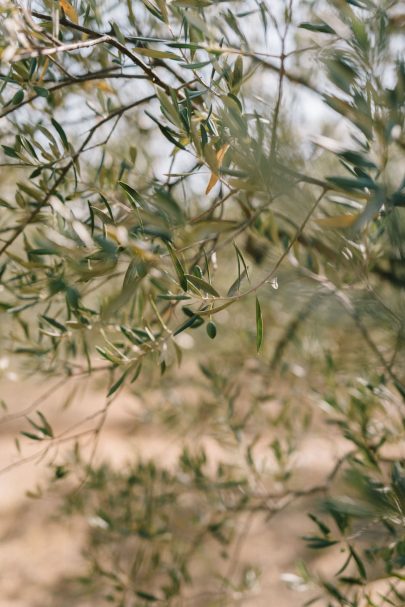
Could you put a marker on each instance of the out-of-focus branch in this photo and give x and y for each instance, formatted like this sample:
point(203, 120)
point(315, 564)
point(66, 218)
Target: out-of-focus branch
point(347, 305)
point(292, 328)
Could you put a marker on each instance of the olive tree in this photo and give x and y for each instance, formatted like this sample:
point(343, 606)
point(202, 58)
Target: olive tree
point(164, 162)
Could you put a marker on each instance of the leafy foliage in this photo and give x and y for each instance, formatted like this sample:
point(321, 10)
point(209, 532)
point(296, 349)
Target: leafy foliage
point(156, 177)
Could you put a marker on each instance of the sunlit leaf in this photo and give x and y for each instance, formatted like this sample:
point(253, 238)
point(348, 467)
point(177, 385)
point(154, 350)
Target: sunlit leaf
point(218, 162)
point(69, 10)
point(156, 54)
point(338, 221)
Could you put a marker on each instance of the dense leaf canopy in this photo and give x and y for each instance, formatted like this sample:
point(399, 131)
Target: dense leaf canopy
point(164, 162)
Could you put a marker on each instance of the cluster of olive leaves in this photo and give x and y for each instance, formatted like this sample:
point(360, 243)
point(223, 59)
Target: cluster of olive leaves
point(111, 248)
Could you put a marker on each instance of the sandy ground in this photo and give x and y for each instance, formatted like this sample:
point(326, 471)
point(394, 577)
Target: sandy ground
point(37, 551)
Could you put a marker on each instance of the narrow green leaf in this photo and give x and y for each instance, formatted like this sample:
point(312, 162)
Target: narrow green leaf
point(61, 133)
point(166, 132)
point(108, 207)
point(155, 54)
point(54, 323)
point(132, 194)
point(18, 97)
point(322, 28)
point(259, 325)
point(350, 581)
point(107, 355)
point(171, 297)
point(234, 288)
point(360, 565)
point(202, 285)
point(117, 384)
point(195, 66)
point(137, 373)
point(318, 543)
point(320, 524)
point(41, 91)
point(136, 270)
point(10, 151)
point(31, 436)
point(146, 596)
point(193, 322)
point(178, 267)
point(46, 426)
point(348, 184)
point(188, 45)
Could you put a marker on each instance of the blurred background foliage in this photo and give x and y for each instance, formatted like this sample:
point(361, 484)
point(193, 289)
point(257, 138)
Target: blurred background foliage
point(186, 184)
